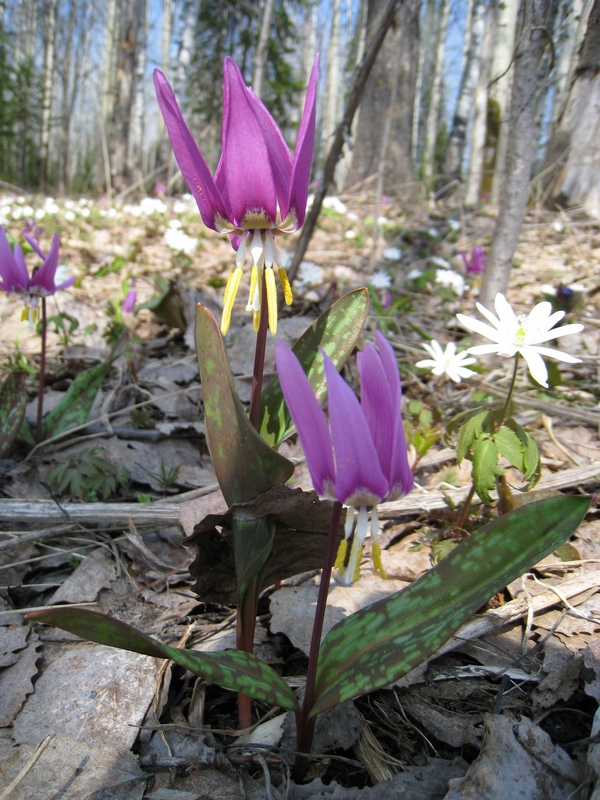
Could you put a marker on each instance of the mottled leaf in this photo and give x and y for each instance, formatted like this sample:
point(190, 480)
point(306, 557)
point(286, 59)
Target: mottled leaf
point(230, 669)
point(244, 463)
point(336, 331)
point(74, 408)
point(384, 641)
point(13, 399)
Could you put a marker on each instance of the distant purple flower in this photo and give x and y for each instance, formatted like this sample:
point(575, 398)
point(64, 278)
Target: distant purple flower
point(15, 279)
point(477, 263)
point(359, 456)
point(130, 299)
point(259, 190)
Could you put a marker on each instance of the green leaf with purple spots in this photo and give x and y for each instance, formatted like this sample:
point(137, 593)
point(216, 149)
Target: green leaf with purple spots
point(337, 331)
point(231, 669)
point(13, 399)
point(384, 641)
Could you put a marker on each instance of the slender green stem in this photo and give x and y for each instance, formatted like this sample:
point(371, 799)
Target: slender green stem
point(42, 375)
point(462, 517)
point(305, 727)
point(259, 355)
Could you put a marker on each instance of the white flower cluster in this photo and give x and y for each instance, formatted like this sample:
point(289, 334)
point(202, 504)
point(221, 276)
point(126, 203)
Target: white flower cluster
point(177, 240)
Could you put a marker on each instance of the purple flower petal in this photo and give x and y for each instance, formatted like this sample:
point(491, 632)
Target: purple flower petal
point(359, 477)
point(309, 418)
point(245, 167)
point(13, 271)
point(193, 167)
point(303, 153)
point(43, 278)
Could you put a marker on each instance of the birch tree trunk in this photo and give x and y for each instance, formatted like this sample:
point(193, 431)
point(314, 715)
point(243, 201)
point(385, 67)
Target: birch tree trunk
point(260, 56)
point(431, 130)
point(136, 126)
point(403, 38)
point(47, 95)
point(501, 76)
point(531, 40)
point(458, 135)
point(577, 134)
point(574, 24)
point(478, 131)
point(330, 113)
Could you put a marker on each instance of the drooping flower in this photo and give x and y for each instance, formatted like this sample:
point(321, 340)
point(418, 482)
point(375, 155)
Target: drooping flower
point(447, 362)
point(259, 190)
point(522, 334)
point(476, 264)
point(44, 280)
point(359, 455)
point(130, 298)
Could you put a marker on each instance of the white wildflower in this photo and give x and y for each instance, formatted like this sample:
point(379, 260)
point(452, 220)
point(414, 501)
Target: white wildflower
point(522, 334)
point(447, 362)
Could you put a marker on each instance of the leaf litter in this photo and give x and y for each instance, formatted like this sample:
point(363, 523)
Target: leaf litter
point(512, 698)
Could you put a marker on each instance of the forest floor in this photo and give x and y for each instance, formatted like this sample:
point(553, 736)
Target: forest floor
point(510, 709)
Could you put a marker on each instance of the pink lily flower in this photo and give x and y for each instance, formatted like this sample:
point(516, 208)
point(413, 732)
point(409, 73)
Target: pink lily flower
point(259, 190)
point(15, 278)
point(477, 263)
point(358, 456)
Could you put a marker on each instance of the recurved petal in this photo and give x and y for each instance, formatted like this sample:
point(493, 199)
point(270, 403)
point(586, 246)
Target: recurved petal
point(13, 270)
point(191, 163)
point(309, 418)
point(298, 192)
point(359, 477)
point(399, 474)
point(245, 166)
point(43, 278)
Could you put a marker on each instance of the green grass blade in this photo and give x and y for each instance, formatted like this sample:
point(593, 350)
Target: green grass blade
point(380, 643)
point(231, 669)
point(74, 408)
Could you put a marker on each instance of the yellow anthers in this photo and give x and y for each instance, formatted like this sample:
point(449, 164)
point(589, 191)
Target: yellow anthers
point(285, 285)
point(25, 314)
point(341, 555)
point(377, 562)
point(271, 299)
point(233, 284)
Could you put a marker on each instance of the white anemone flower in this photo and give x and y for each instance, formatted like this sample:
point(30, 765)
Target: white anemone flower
point(522, 334)
point(447, 362)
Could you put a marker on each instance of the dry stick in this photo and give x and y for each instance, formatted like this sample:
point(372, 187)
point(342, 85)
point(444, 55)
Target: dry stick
point(360, 78)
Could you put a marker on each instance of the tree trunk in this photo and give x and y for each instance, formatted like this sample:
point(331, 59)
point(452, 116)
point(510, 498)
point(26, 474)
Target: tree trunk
point(431, 132)
point(260, 56)
point(458, 135)
point(498, 101)
point(136, 127)
point(47, 96)
point(574, 24)
point(531, 40)
point(404, 38)
point(330, 111)
point(478, 131)
point(576, 134)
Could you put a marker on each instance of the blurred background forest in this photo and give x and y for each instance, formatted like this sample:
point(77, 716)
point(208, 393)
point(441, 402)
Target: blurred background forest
point(78, 113)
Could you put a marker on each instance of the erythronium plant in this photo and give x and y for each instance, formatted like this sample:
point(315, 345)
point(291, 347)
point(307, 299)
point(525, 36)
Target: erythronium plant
point(34, 288)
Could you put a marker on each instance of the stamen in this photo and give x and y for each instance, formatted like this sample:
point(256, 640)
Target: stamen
point(240, 256)
point(268, 249)
point(233, 283)
point(271, 300)
point(254, 296)
point(285, 285)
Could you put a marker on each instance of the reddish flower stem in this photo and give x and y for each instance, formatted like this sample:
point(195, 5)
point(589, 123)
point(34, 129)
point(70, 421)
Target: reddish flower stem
point(42, 375)
point(305, 727)
point(259, 355)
